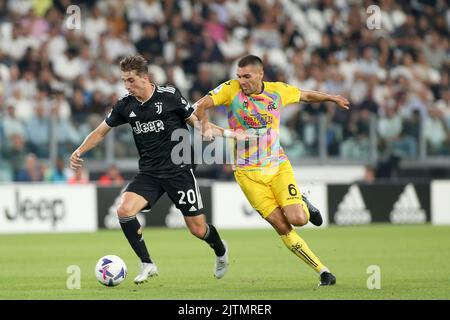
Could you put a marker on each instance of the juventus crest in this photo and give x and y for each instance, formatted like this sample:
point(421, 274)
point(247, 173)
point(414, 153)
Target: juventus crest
point(158, 106)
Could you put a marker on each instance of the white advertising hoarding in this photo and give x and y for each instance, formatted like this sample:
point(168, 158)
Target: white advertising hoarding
point(328, 174)
point(47, 208)
point(440, 202)
point(231, 209)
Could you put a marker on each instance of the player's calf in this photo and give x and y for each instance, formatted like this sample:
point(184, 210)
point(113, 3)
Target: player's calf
point(198, 230)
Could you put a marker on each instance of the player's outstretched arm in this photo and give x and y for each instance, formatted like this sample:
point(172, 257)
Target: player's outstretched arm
point(200, 112)
point(217, 131)
point(233, 134)
point(94, 138)
point(317, 96)
point(201, 106)
point(213, 130)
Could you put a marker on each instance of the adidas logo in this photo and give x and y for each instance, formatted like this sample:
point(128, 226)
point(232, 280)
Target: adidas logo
point(131, 115)
point(193, 209)
point(352, 209)
point(407, 209)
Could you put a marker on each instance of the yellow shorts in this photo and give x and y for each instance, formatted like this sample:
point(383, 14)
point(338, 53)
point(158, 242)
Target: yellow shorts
point(265, 192)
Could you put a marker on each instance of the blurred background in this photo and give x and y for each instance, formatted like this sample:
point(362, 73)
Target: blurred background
point(58, 81)
point(383, 166)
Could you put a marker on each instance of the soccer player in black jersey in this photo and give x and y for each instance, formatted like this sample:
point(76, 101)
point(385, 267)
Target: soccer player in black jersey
point(154, 112)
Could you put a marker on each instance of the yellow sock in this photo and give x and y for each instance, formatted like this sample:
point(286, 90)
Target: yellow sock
point(299, 247)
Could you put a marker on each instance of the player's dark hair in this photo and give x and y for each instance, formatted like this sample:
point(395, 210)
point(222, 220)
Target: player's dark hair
point(134, 63)
point(250, 60)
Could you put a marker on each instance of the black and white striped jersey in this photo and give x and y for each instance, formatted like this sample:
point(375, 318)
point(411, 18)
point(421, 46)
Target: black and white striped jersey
point(153, 123)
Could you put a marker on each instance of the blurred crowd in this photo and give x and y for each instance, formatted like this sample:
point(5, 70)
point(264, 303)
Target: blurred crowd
point(60, 78)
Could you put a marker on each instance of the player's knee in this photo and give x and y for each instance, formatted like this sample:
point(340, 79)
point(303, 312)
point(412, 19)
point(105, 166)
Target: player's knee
point(125, 210)
point(302, 219)
point(298, 219)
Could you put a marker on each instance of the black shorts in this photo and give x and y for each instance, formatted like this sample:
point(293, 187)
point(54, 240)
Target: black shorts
point(182, 189)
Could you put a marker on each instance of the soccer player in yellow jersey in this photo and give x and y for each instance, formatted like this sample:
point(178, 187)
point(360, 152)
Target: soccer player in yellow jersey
point(262, 169)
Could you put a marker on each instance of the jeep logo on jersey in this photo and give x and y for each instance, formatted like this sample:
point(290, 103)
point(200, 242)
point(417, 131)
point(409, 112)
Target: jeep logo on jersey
point(150, 126)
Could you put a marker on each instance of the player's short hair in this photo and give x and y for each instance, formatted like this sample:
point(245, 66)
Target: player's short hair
point(250, 60)
point(134, 63)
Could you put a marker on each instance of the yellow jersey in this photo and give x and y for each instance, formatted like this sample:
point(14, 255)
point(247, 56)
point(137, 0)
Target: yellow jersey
point(258, 114)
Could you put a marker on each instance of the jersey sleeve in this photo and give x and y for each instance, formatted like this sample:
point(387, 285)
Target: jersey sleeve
point(115, 117)
point(223, 94)
point(289, 94)
point(181, 106)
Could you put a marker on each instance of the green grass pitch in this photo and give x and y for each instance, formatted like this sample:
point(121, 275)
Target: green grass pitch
point(413, 260)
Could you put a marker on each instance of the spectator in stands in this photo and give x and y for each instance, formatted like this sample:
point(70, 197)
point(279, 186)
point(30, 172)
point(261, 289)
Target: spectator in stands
point(67, 134)
point(15, 151)
point(390, 126)
point(150, 44)
point(97, 104)
point(406, 60)
point(58, 173)
point(23, 108)
point(112, 176)
point(206, 49)
point(95, 25)
point(202, 84)
point(31, 170)
point(443, 105)
point(95, 82)
point(38, 132)
point(68, 66)
point(2, 140)
point(436, 134)
point(13, 125)
point(369, 175)
point(78, 106)
point(80, 176)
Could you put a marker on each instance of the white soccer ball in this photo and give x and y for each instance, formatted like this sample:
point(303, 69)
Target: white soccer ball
point(110, 270)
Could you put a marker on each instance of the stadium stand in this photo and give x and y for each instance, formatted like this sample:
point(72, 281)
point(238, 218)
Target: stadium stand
point(57, 83)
